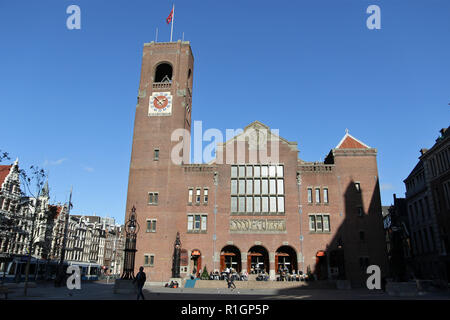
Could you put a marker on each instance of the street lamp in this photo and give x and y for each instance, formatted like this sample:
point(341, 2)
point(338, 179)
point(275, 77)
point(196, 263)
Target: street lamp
point(131, 230)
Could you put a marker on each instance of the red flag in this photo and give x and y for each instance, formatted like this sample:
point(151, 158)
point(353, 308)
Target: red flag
point(169, 18)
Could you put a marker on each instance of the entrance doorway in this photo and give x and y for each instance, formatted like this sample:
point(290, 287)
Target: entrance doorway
point(230, 257)
point(196, 262)
point(258, 260)
point(286, 257)
point(321, 269)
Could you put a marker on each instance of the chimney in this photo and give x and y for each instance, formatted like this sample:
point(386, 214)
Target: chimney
point(423, 150)
point(442, 131)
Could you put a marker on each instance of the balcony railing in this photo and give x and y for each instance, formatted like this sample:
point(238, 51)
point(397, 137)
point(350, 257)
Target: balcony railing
point(162, 85)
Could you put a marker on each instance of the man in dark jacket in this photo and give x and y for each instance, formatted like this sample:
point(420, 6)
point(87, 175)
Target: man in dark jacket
point(140, 281)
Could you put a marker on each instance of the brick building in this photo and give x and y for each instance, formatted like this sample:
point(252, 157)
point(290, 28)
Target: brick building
point(257, 206)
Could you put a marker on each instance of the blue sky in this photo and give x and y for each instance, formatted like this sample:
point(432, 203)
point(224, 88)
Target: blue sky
point(309, 68)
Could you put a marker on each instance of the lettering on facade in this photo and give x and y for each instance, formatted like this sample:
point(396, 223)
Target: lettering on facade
point(257, 226)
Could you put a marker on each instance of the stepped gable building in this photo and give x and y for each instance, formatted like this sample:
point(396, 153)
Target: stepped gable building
point(257, 206)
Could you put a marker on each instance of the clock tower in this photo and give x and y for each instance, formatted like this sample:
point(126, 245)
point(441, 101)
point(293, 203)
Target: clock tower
point(163, 107)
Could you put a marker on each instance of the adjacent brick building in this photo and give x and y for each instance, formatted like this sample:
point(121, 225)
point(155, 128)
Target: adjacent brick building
point(257, 205)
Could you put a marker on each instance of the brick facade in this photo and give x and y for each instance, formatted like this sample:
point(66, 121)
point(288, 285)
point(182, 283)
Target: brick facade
point(348, 178)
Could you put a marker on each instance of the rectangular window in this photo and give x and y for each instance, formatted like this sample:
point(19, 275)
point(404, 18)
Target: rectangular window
point(326, 223)
point(312, 223)
point(204, 223)
point(197, 195)
point(249, 171)
point(257, 170)
point(257, 186)
point(360, 212)
point(233, 204)
point(190, 223)
point(273, 185)
point(249, 204)
point(234, 186)
point(249, 186)
point(279, 171)
point(152, 260)
point(205, 195)
point(309, 195)
point(257, 204)
point(241, 204)
point(265, 204)
point(318, 223)
point(241, 171)
point(325, 195)
point(197, 220)
point(151, 226)
point(273, 204)
point(241, 186)
point(358, 187)
point(265, 186)
point(233, 171)
point(317, 195)
point(281, 204)
point(272, 171)
point(280, 186)
point(190, 195)
point(264, 171)
point(156, 154)
point(153, 198)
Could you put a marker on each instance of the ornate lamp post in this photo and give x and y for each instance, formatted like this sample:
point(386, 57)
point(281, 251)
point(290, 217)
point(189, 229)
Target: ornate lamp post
point(131, 231)
point(176, 257)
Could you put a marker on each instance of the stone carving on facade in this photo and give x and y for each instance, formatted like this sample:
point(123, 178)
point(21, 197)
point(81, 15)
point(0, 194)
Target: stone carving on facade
point(257, 225)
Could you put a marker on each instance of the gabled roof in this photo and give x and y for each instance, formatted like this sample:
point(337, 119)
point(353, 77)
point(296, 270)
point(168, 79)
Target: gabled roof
point(350, 142)
point(4, 171)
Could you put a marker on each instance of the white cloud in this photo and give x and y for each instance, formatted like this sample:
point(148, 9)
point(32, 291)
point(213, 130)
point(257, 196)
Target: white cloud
point(54, 163)
point(386, 186)
point(89, 169)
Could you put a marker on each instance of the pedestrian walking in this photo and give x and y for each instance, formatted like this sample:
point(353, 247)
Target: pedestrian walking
point(140, 281)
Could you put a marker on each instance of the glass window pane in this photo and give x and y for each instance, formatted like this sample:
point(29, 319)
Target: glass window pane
point(312, 223)
point(257, 184)
point(280, 186)
point(257, 204)
point(257, 171)
point(241, 186)
point(325, 195)
point(233, 171)
point(249, 204)
point(191, 192)
point(241, 204)
point(273, 204)
point(265, 204)
point(264, 171)
point(249, 171)
point(190, 222)
point(309, 195)
point(249, 186)
point(319, 223)
point(281, 204)
point(272, 171)
point(203, 222)
point(326, 223)
point(233, 186)
point(279, 171)
point(241, 171)
point(273, 186)
point(265, 186)
point(317, 195)
point(233, 204)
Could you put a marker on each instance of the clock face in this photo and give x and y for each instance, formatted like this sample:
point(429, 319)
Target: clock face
point(160, 104)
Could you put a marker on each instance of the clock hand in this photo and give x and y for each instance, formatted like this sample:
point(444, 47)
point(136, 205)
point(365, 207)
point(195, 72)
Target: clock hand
point(157, 100)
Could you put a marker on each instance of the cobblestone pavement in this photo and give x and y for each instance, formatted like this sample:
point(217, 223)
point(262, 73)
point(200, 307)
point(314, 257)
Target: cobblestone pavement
point(103, 291)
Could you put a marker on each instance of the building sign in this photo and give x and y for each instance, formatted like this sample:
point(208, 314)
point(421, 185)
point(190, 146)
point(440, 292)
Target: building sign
point(257, 226)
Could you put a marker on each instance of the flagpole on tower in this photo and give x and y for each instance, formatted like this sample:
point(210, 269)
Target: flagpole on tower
point(173, 16)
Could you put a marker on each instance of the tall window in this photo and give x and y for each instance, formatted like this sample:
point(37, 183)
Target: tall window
point(156, 154)
point(197, 223)
point(151, 225)
point(190, 195)
point(310, 195)
point(197, 196)
point(317, 195)
point(149, 260)
point(205, 196)
point(153, 198)
point(250, 182)
point(319, 223)
point(358, 186)
point(325, 195)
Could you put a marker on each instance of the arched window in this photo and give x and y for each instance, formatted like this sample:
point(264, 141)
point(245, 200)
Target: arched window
point(163, 73)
